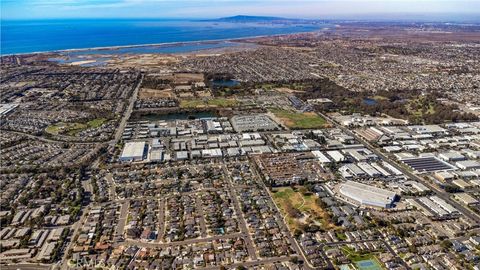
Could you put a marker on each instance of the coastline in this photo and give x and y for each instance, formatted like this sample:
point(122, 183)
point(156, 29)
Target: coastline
point(175, 43)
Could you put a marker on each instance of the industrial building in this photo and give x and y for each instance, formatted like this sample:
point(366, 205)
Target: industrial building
point(465, 198)
point(367, 195)
point(133, 151)
point(427, 164)
point(438, 206)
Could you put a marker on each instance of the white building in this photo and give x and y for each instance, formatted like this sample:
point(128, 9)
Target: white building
point(133, 151)
point(367, 195)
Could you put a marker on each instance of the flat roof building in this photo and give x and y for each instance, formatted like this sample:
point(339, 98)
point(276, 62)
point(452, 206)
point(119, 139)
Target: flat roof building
point(468, 164)
point(465, 198)
point(427, 164)
point(133, 151)
point(367, 195)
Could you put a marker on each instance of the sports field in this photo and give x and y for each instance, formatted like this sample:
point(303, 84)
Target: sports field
point(370, 264)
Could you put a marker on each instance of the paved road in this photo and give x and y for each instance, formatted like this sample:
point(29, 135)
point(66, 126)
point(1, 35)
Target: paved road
point(243, 224)
point(43, 139)
point(161, 220)
point(75, 228)
point(111, 186)
point(440, 193)
point(251, 263)
point(284, 227)
point(126, 115)
point(387, 246)
point(26, 266)
point(122, 220)
point(178, 243)
point(201, 214)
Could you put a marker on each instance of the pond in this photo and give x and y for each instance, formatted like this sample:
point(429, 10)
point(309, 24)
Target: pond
point(369, 101)
point(224, 83)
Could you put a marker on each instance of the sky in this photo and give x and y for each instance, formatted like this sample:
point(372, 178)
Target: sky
point(314, 9)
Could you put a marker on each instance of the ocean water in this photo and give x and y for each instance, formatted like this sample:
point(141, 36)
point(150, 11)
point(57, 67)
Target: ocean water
point(52, 35)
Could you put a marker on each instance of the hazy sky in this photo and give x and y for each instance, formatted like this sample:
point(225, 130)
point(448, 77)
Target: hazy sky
point(18, 9)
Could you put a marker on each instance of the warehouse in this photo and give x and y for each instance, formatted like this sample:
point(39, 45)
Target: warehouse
point(336, 156)
point(370, 170)
point(321, 157)
point(466, 199)
point(461, 184)
point(351, 170)
point(392, 169)
point(427, 164)
point(468, 164)
point(133, 151)
point(367, 195)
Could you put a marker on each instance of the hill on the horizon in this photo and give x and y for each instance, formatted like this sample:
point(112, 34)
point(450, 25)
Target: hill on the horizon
point(247, 18)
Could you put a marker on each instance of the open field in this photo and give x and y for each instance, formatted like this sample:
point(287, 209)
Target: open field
point(296, 120)
point(216, 102)
point(72, 129)
point(146, 93)
point(300, 208)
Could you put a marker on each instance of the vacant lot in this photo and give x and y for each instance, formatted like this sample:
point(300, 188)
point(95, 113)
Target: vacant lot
point(295, 120)
point(146, 93)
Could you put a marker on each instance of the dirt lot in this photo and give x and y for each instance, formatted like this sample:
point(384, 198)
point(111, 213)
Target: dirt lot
point(146, 93)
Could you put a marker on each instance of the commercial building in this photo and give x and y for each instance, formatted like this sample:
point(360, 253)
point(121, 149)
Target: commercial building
point(367, 195)
point(133, 151)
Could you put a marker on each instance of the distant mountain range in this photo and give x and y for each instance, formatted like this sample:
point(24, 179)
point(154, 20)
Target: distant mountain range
point(258, 19)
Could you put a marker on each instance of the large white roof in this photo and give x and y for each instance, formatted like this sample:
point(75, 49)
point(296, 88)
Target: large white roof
point(133, 149)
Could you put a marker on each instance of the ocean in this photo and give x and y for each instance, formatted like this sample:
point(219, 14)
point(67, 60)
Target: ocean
point(52, 35)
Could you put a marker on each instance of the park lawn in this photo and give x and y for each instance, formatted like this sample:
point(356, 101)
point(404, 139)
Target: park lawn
point(419, 112)
point(95, 123)
point(371, 263)
point(191, 103)
point(359, 258)
point(72, 129)
point(215, 102)
point(222, 102)
point(341, 236)
point(295, 120)
point(306, 204)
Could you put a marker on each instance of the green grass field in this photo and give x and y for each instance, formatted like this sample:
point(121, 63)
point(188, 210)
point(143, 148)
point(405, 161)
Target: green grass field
point(215, 102)
point(306, 204)
point(363, 261)
point(72, 129)
point(296, 120)
point(369, 264)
